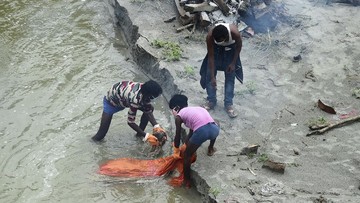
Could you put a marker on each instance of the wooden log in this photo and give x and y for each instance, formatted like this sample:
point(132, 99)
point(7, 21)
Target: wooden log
point(204, 19)
point(335, 125)
point(170, 19)
point(274, 166)
point(180, 9)
point(204, 6)
point(223, 7)
point(184, 27)
point(251, 149)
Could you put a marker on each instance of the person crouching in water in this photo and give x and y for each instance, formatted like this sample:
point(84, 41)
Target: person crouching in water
point(135, 96)
point(202, 127)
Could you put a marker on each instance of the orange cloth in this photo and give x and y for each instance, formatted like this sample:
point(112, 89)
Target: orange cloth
point(129, 167)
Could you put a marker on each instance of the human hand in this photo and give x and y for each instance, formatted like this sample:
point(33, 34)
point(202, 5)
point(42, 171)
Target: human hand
point(176, 153)
point(230, 68)
point(151, 139)
point(186, 183)
point(213, 82)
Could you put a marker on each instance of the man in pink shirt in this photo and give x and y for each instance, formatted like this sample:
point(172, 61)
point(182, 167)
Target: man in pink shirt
point(202, 127)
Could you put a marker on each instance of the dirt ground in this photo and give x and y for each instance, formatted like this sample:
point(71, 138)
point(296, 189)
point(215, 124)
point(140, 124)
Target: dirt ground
point(275, 104)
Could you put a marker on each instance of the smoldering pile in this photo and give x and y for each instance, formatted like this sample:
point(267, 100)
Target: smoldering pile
point(251, 16)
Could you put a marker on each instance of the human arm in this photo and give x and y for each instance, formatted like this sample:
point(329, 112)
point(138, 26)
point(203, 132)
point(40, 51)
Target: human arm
point(189, 136)
point(144, 120)
point(147, 136)
point(152, 119)
point(132, 117)
point(176, 143)
point(235, 34)
point(211, 57)
point(178, 122)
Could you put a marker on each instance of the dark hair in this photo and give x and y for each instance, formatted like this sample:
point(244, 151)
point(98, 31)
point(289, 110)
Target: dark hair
point(151, 88)
point(178, 100)
point(220, 32)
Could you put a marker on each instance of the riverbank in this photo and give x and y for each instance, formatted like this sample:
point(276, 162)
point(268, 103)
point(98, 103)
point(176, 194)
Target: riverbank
point(275, 103)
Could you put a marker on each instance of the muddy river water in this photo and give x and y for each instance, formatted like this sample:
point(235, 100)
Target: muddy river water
point(57, 60)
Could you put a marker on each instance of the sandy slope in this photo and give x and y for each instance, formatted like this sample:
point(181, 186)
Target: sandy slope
point(275, 115)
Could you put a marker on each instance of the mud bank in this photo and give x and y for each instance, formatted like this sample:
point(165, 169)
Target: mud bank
point(275, 103)
point(151, 66)
point(143, 58)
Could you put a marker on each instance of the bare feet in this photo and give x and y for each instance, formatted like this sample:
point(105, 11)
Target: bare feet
point(211, 151)
point(96, 138)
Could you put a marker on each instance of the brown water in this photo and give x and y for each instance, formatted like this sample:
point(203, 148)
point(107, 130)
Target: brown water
point(57, 60)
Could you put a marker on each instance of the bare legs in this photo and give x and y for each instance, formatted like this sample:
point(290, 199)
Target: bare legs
point(104, 127)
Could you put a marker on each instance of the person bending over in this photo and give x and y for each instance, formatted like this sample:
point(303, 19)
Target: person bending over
point(135, 96)
point(202, 127)
point(224, 45)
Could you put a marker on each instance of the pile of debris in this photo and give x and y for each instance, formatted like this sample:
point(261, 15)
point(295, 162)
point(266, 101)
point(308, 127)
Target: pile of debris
point(251, 16)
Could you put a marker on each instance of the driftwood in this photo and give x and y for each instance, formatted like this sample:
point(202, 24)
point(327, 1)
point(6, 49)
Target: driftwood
point(223, 7)
point(251, 171)
point(170, 19)
point(205, 6)
point(252, 149)
point(204, 19)
point(180, 9)
point(184, 27)
point(335, 125)
point(274, 166)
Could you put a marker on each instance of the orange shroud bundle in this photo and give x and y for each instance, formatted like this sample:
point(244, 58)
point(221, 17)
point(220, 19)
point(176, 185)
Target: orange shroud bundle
point(129, 167)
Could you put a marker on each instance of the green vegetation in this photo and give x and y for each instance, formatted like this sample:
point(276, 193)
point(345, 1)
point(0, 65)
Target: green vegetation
point(356, 92)
point(188, 72)
point(251, 87)
point(214, 191)
point(263, 158)
point(251, 155)
point(171, 51)
point(317, 121)
point(293, 164)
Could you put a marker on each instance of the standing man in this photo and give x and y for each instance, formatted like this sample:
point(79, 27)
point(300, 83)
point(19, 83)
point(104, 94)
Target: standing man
point(135, 96)
point(202, 127)
point(223, 54)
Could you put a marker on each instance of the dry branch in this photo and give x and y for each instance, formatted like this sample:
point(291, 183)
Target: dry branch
point(205, 6)
point(184, 27)
point(274, 166)
point(335, 125)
